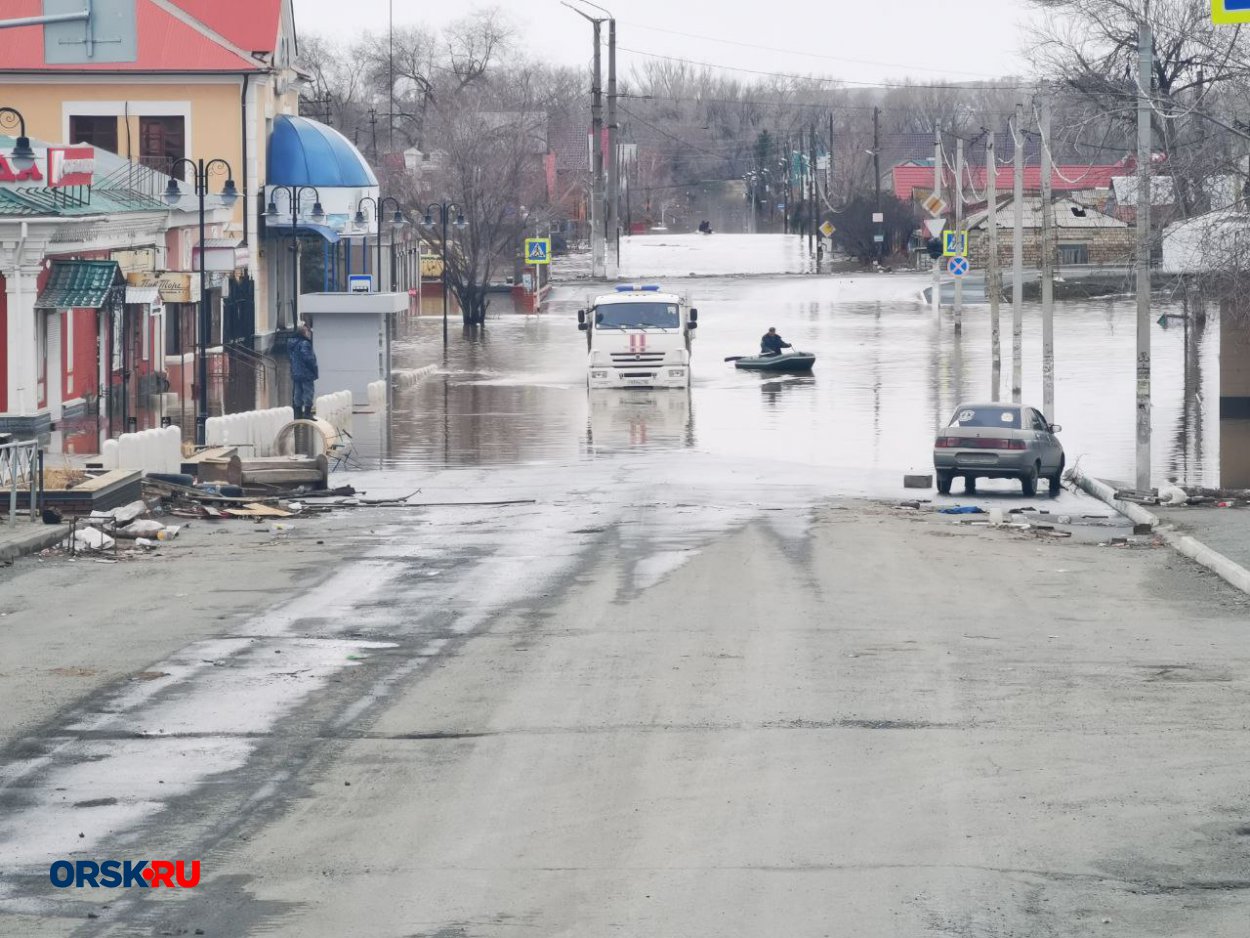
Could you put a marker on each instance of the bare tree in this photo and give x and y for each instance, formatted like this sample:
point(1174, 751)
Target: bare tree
point(1089, 47)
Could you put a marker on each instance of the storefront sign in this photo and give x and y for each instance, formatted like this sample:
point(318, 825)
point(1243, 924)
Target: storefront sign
point(175, 286)
point(70, 166)
point(133, 262)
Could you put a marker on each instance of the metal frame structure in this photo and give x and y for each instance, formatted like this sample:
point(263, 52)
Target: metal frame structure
point(22, 461)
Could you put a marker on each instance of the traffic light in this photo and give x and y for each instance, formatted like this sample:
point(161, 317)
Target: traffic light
point(934, 246)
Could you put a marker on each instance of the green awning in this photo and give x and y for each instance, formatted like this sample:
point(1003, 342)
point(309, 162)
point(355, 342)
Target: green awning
point(78, 285)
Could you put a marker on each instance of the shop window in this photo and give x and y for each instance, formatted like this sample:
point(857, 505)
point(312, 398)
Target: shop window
point(98, 131)
point(162, 142)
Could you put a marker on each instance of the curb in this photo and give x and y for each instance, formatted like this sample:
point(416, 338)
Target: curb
point(32, 543)
point(1228, 570)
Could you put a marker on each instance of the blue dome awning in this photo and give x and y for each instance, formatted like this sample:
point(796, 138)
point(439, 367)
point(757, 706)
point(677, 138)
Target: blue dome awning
point(303, 152)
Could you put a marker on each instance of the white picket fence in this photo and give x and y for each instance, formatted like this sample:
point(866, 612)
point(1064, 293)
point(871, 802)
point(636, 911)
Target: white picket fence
point(335, 409)
point(155, 450)
point(253, 431)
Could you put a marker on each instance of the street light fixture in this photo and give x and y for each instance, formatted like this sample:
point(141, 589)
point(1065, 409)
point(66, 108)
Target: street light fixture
point(293, 194)
point(427, 220)
point(379, 210)
point(23, 155)
point(201, 170)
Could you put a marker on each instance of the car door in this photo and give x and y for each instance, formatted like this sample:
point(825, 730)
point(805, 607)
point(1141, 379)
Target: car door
point(1048, 446)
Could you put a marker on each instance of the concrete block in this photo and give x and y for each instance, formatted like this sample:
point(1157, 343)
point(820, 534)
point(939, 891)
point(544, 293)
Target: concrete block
point(917, 481)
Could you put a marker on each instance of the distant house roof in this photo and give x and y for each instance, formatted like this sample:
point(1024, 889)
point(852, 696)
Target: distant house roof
point(1068, 214)
point(303, 152)
point(171, 36)
point(914, 175)
point(1162, 190)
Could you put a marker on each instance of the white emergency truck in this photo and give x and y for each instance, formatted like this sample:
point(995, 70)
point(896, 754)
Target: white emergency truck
point(638, 337)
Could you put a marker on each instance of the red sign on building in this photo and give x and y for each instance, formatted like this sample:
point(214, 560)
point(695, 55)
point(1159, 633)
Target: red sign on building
point(70, 166)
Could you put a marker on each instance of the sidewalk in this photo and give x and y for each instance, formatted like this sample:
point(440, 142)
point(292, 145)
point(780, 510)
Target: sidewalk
point(24, 536)
point(1226, 530)
point(1216, 538)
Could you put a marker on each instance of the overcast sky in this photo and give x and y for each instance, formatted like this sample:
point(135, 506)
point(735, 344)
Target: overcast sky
point(873, 41)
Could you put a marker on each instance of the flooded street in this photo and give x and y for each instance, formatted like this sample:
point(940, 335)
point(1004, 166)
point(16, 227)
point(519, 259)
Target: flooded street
point(888, 374)
point(649, 662)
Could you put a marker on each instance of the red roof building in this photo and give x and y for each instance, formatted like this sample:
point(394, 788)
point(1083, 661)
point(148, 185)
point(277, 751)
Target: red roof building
point(911, 177)
point(171, 35)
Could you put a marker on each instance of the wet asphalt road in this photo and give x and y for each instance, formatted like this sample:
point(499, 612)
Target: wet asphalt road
point(689, 682)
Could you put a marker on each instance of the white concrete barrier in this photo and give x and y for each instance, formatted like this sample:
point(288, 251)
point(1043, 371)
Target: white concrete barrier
point(407, 377)
point(335, 409)
point(155, 450)
point(253, 431)
point(377, 393)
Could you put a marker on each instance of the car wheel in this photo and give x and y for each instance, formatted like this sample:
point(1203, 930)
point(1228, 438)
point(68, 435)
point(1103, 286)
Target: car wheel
point(944, 483)
point(970, 484)
point(1028, 481)
point(1056, 480)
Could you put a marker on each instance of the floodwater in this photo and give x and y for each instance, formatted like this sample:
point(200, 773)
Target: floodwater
point(888, 374)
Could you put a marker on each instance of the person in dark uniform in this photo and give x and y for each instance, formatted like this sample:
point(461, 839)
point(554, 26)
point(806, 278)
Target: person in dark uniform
point(771, 343)
point(304, 372)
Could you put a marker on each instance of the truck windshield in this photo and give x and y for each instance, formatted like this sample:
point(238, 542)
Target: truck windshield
point(637, 316)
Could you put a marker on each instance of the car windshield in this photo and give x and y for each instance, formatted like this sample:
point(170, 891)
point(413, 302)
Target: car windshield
point(1001, 417)
point(637, 315)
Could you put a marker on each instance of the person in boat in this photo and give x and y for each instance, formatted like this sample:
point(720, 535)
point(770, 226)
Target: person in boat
point(771, 343)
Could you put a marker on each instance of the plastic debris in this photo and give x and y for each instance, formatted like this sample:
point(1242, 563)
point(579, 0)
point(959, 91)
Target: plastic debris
point(92, 539)
point(962, 510)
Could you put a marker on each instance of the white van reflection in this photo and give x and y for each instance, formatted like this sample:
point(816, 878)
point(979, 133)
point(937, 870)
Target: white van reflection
point(636, 418)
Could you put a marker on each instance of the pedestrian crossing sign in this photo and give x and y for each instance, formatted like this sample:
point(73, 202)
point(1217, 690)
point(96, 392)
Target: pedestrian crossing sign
point(1224, 12)
point(954, 243)
point(538, 250)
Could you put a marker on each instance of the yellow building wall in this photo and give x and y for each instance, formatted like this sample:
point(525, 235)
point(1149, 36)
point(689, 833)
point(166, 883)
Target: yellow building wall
point(214, 130)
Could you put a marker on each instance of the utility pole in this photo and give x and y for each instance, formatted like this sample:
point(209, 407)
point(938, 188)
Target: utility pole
point(937, 192)
point(614, 173)
point(597, 246)
point(993, 275)
point(1048, 269)
point(1145, 52)
point(1017, 257)
point(829, 163)
point(785, 201)
point(958, 195)
point(811, 190)
point(876, 176)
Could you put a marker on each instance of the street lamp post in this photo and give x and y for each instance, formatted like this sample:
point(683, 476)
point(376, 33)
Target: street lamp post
point(293, 194)
point(201, 170)
point(444, 209)
point(379, 209)
point(23, 156)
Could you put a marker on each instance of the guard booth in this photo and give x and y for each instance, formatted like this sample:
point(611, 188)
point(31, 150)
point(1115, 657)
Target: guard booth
point(352, 337)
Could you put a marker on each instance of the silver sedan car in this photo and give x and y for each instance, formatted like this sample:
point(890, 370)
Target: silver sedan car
point(998, 441)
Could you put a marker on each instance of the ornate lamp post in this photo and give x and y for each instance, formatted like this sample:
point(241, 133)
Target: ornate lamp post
point(293, 194)
point(444, 209)
point(397, 220)
point(200, 170)
point(23, 156)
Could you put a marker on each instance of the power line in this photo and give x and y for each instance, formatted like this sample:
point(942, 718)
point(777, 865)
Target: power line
point(811, 55)
point(834, 81)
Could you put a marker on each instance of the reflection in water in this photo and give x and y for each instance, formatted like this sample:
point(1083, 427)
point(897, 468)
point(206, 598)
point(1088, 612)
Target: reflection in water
point(776, 387)
point(634, 418)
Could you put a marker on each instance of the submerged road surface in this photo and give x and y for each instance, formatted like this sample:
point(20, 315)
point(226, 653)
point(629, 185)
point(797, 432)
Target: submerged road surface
point(681, 679)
